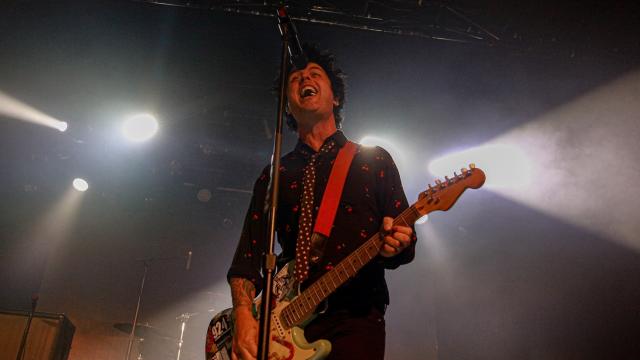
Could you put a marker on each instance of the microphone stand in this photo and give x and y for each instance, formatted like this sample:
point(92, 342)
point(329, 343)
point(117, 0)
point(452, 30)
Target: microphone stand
point(23, 342)
point(147, 263)
point(270, 257)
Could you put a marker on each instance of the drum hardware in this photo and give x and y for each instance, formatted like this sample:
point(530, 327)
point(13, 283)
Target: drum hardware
point(147, 263)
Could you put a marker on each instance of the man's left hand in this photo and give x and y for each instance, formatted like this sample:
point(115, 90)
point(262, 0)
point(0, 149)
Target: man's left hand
point(396, 238)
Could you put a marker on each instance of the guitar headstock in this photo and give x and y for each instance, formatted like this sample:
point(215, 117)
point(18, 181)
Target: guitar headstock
point(444, 194)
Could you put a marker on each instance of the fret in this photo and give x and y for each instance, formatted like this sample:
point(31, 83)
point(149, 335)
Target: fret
point(310, 301)
point(296, 310)
point(333, 282)
point(312, 290)
point(323, 286)
point(337, 271)
point(330, 286)
point(360, 262)
point(372, 250)
point(365, 252)
point(289, 317)
point(303, 305)
point(345, 270)
point(416, 214)
point(401, 218)
point(359, 256)
point(355, 270)
point(301, 310)
point(318, 292)
point(315, 291)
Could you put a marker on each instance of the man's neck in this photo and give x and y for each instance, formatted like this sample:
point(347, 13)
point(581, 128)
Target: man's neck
point(315, 135)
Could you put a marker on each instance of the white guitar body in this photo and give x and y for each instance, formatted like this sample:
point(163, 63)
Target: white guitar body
point(290, 343)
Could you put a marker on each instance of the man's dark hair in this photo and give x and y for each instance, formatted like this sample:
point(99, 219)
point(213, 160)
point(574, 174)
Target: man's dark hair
point(326, 60)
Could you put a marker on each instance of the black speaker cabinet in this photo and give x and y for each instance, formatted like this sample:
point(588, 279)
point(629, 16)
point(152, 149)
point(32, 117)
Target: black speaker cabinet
point(49, 338)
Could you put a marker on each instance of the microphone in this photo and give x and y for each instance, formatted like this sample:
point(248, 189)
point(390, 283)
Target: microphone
point(298, 59)
point(188, 265)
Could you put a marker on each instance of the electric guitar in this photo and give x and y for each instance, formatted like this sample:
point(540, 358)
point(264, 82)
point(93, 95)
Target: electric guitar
point(294, 309)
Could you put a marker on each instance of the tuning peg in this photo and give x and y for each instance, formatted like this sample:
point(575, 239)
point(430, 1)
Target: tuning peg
point(464, 170)
point(455, 175)
point(447, 181)
point(472, 166)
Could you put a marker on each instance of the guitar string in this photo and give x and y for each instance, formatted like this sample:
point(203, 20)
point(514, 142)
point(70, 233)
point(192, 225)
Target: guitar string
point(411, 212)
point(304, 307)
point(374, 243)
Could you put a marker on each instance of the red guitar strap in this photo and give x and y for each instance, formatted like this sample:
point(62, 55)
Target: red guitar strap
point(333, 191)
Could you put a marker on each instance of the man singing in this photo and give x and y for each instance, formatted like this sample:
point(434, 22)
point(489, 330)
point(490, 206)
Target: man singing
point(352, 318)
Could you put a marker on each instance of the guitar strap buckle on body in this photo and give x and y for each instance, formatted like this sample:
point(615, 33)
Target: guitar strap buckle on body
point(330, 201)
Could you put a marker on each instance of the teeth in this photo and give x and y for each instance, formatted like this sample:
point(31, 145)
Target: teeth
point(308, 91)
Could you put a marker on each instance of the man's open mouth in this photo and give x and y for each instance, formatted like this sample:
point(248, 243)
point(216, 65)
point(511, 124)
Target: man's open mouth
point(308, 91)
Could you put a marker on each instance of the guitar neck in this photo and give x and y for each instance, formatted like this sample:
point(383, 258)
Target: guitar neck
point(309, 299)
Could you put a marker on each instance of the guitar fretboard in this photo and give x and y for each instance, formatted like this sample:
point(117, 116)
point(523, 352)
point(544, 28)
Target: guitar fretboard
point(308, 300)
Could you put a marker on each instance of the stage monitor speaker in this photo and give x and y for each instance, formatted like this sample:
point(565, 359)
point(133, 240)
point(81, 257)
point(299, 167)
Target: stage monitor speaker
point(49, 337)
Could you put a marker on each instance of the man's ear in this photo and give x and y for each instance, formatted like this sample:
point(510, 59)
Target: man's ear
point(336, 102)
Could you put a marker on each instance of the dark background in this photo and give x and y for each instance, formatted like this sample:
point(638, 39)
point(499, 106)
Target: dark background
point(515, 283)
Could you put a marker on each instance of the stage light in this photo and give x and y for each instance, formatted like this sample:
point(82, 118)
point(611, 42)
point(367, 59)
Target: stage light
point(506, 166)
point(422, 220)
point(16, 109)
point(80, 184)
point(372, 141)
point(390, 146)
point(140, 127)
point(204, 195)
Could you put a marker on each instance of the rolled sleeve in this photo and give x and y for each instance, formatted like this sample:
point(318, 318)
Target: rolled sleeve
point(247, 261)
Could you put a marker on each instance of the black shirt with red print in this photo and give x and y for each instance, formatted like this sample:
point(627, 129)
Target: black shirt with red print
point(371, 191)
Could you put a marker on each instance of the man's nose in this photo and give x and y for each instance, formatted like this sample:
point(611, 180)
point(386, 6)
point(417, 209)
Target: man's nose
point(305, 75)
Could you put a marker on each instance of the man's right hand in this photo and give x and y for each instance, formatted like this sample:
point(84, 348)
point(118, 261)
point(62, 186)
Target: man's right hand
point(245, 340)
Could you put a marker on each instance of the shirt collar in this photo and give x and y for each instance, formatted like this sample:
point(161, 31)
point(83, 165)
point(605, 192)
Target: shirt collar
point(306, 150)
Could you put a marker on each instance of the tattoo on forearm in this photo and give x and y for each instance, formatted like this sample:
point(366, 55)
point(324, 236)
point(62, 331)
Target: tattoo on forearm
point(242, 292)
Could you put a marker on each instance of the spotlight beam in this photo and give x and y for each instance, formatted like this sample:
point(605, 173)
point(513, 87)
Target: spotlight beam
point(16, 109)
point(578, 163)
